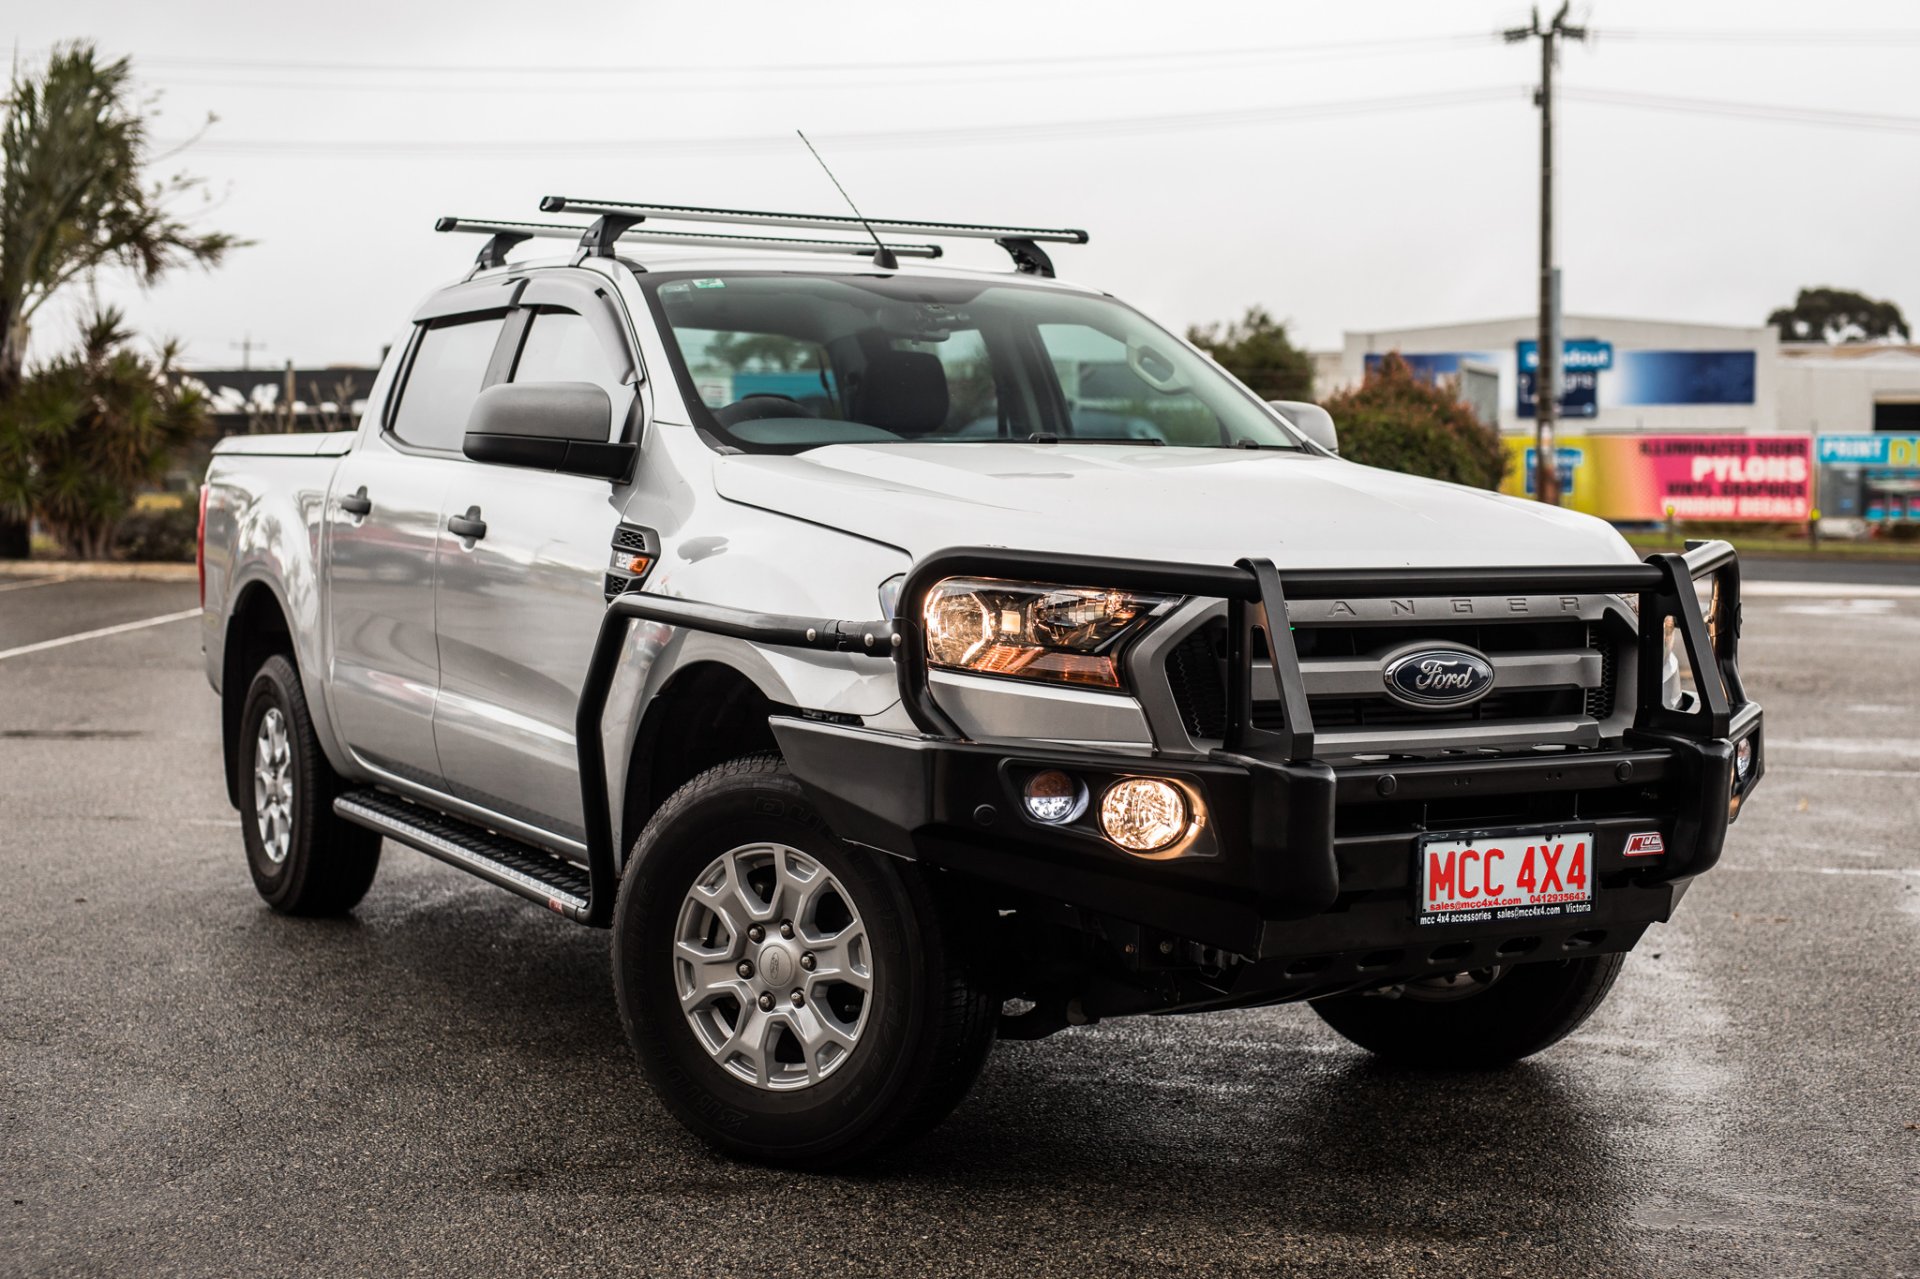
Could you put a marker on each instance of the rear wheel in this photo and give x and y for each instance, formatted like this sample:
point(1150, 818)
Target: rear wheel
point(1487, 1017)
point(304, 860)
point(792, 999)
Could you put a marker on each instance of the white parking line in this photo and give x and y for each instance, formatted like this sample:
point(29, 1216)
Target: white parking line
point(102, 633)
point(1843, 772)
point(38, 581)
point(1827, 590)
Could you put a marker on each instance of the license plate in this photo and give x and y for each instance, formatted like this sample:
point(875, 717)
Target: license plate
point(1490, 877)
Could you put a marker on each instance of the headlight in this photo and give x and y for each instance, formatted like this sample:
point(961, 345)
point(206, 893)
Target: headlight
point(1065, 634)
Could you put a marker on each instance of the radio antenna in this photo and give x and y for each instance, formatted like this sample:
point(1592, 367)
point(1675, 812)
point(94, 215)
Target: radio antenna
point(882, 255)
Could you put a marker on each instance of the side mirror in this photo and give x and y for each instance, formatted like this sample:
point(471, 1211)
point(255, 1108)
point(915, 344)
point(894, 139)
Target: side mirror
point(1313, 422)
point(547, 426)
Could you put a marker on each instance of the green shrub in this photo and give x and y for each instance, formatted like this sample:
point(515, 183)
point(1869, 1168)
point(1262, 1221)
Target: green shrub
point(1397, 421)
point(151, 536)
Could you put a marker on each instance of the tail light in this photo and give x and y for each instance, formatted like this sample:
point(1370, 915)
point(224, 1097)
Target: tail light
point(200, 546)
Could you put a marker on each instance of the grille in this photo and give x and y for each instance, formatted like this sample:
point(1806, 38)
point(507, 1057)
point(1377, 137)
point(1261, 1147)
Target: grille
point(1197, 676)
point(630, 538)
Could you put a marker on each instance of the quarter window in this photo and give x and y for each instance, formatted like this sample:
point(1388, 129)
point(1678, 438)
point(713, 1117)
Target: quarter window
point(449, 366)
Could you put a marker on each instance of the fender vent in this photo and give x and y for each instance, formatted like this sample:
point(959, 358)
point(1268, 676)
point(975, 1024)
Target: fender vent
point(635, 551)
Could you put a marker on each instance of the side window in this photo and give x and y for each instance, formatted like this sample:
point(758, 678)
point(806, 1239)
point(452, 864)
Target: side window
point(1114, 389)
point(561, 346)
point(448, 367)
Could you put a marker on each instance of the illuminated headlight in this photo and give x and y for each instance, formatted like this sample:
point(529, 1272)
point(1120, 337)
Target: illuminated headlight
point(1145, 814)
point(1064, 634)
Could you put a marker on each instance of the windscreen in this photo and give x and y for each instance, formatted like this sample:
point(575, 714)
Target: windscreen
point(775, 363)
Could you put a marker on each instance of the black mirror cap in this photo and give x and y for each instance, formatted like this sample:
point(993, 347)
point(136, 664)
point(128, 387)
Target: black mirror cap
point(547, 426)
point(542, 453)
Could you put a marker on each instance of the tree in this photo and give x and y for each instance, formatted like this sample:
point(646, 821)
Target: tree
point(1256, 350)
point(1396, 420)
point(74, 199)
point(85, 430)
point(1838, 315)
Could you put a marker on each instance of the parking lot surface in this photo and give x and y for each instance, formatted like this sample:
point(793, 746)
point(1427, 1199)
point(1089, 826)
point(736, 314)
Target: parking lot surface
point(439, 1085)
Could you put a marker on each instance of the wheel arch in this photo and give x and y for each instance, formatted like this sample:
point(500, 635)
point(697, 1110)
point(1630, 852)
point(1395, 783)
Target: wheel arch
point(706, 713)
point(256, 629)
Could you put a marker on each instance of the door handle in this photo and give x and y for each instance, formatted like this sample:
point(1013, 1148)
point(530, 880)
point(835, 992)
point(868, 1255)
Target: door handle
point(356, 503)
point(469, 526)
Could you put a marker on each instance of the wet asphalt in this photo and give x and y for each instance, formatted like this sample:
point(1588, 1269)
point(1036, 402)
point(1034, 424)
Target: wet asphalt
point(438, 1084)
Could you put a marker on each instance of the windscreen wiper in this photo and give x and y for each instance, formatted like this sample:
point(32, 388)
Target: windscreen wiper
point(1048, 437)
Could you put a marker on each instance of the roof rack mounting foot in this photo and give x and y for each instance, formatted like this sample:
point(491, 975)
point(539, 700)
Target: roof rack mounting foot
point(494, 252)
point(1028, 257)
point(600, 238)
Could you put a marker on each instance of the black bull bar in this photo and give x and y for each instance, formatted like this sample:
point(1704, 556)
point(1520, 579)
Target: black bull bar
point(935, 797)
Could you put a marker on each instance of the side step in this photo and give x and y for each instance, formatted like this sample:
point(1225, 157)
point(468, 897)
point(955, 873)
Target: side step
point(532, 872)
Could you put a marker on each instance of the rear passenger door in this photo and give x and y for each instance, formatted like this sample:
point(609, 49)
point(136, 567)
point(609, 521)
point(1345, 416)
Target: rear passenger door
point(519, 607)
point(384, 528)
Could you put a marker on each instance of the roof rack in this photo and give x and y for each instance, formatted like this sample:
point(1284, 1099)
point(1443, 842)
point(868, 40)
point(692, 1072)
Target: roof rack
point(598, 239)
point(1021, 243)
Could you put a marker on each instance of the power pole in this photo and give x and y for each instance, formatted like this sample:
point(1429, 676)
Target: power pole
point(247, 346)
point(1546, 374)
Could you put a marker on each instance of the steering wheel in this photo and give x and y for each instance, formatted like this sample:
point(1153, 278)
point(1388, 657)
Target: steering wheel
point(761, 404)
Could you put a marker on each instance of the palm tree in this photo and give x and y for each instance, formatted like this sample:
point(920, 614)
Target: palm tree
point(96, 425)
point(75, 198)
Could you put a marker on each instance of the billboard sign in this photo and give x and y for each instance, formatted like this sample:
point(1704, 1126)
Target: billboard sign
point(1637, 478)
point(1582, 360)
point(1869, 450)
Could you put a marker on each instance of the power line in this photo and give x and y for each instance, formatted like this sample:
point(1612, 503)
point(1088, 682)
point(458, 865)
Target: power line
point(1828, 37)
point(1767, 111)
point(1024, 131)
point(1379, 45)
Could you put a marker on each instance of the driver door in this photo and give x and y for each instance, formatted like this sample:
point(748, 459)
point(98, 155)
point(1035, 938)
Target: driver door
point(519, 606)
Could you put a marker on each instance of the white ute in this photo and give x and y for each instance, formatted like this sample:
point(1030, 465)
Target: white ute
point(895, 657)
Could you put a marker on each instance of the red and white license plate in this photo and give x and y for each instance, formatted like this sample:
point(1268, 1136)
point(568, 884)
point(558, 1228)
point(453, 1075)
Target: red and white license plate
point(1493, 877)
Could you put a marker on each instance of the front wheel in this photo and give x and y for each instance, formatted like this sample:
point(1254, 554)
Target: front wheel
point(1487, 1017)
point(792, 999)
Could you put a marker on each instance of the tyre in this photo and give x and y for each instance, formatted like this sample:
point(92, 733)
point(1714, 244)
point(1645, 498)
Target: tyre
point(1488, 1017)
point(792, 999)
point(304, 860)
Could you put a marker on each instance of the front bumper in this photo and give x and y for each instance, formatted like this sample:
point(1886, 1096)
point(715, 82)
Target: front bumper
point(1307, 865)
point(1306, 862)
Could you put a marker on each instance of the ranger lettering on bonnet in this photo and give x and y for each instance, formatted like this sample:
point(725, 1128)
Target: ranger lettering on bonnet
point(896, 658)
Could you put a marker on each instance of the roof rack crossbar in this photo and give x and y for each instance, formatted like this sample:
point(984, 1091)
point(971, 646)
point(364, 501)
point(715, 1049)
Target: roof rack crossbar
point(1021, 243)
point(512, 233)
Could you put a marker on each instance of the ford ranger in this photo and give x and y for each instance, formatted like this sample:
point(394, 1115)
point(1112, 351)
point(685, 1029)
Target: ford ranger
point(895, 657)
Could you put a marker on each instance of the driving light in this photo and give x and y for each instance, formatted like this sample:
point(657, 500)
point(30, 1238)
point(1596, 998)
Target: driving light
point(1743, 758)
point(1144, 814)
point(1055, 798)
point(1064, 634)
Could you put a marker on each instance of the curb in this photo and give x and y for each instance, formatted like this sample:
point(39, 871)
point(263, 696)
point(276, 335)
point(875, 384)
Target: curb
point(97, 571)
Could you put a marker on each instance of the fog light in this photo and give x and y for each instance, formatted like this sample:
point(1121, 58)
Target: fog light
point(1055, 798)
point(1144, 814)
point(1743, 758)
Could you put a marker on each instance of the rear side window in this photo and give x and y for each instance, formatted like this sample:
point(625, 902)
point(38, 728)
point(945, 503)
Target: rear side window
point(449, 365)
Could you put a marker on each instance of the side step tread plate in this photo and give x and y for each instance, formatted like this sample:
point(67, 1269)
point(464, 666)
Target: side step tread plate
point(521, 868)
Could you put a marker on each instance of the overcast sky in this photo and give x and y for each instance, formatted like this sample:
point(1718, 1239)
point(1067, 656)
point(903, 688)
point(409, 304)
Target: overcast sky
point(1347, 165)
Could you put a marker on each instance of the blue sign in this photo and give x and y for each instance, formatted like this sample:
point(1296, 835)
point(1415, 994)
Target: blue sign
point(1582, 360)
point(1683, 377)
point(1588, 355)
point(1431, 366)
point(1869, 450)
point(1565, 461)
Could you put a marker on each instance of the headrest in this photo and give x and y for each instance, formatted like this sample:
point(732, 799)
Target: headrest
point(901, 391)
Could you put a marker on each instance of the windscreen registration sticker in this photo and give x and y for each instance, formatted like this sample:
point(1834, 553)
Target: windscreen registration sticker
point(1505, 877)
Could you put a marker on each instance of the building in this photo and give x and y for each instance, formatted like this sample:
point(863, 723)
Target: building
point(1661, 419)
